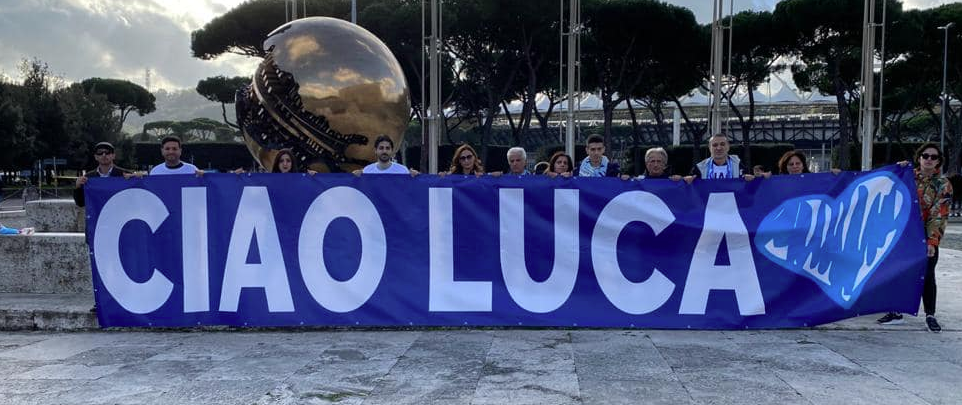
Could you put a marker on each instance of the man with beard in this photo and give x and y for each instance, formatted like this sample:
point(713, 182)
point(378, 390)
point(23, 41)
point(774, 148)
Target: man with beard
point(385, 164)
point(170, 149)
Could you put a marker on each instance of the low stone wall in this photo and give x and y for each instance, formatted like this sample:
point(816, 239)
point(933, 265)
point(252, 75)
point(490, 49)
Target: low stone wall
point(54, 216)
point(45, 263)
point(14, 219)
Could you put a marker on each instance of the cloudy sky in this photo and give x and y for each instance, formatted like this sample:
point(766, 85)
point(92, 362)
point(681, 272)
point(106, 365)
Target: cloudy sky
point(123, 38)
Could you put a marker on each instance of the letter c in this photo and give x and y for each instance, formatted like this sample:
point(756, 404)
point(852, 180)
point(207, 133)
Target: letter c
point(125, 206)
point(633, 298)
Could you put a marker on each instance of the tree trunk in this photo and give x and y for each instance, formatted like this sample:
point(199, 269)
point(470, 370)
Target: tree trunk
point(694, 132)
point(608, 111)
point(543, 119)
point(529, 103)
point(514, 130)
point(223, 110)
point(843, 118)
point(635, 134)
point(608, 104)
point(746, 127)
point(955, 156)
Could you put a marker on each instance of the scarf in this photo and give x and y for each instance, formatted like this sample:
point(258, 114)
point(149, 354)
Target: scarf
point(586, 170)
point(710, 168)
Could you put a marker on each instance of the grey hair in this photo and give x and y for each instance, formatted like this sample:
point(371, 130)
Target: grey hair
point(517, 149)
point(656, 150)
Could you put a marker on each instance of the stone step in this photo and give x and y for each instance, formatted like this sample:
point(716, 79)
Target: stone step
point(60, 215)
point(47, 312)
point(14, 219)
point(45, 263)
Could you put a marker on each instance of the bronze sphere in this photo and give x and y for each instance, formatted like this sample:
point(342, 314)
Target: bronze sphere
point(326, 89)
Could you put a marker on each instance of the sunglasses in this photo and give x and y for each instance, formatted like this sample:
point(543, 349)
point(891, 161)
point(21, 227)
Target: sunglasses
point(102, 152)
point(466, 157)
point(927, 156)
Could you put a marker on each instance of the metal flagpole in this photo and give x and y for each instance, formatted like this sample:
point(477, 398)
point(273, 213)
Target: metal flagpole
point(573, 32)
point(717, 41)
point(561, 63)
point(880, 119)
point(434, 108)
point(867, 101)
point(425, 140)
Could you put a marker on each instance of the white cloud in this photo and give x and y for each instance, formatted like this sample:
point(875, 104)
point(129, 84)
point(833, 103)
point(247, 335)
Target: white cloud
point(122, 38)
point(925, 3)
point(114, 38)
point(703, 8)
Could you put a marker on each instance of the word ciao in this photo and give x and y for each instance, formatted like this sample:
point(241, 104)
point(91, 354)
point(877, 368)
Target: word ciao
point(255, 216)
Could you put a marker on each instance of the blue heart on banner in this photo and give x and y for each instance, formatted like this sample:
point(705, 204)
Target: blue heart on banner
point(838, 242)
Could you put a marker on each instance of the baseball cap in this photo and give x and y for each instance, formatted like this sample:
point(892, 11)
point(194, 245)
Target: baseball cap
point(104, 145)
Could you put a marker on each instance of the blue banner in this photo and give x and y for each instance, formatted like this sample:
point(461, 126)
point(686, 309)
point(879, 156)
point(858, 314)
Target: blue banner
point(293, 249)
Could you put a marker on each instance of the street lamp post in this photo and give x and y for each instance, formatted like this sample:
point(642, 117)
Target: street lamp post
point(945, 97)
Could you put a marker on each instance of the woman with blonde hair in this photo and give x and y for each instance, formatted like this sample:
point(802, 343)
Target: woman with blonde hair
point(466, 161)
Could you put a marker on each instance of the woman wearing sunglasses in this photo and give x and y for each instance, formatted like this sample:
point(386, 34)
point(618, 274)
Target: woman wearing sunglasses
point(466, 161)
point(935, 195)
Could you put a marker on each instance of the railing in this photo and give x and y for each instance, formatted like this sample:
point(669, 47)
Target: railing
point(16, 199)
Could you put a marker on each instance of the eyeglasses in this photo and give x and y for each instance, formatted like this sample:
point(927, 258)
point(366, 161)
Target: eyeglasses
point(927, 156)
point(466, 157)
point(101, 153)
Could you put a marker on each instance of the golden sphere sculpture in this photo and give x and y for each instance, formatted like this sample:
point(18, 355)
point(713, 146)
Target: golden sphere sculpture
point(326, 90)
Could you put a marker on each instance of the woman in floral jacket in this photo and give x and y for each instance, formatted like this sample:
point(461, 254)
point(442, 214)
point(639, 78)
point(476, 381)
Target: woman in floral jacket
point(935, 197)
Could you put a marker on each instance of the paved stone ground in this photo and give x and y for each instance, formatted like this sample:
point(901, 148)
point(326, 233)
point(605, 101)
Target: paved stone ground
point(854, 361)
point(483, 367)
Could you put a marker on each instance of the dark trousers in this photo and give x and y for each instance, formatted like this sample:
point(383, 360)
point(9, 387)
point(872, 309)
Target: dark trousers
point(928, 291)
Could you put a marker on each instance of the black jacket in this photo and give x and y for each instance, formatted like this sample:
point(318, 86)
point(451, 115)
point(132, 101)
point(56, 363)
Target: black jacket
point(78, 193)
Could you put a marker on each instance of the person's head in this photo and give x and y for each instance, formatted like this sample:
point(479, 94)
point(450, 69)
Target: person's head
point(284, 162)
point(793, 162)
point(929, 157)
point(758, 170)
point(541, 167)
point(656, 160)
point(595, 147)
point(466, 161)
point(104, 154)
point(517, 159)
point(718, 145)
point(384, 149)
point(170, 149)
point(560, 163)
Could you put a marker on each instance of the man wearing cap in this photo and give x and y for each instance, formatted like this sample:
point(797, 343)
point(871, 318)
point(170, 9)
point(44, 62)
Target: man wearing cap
point(104, 155)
